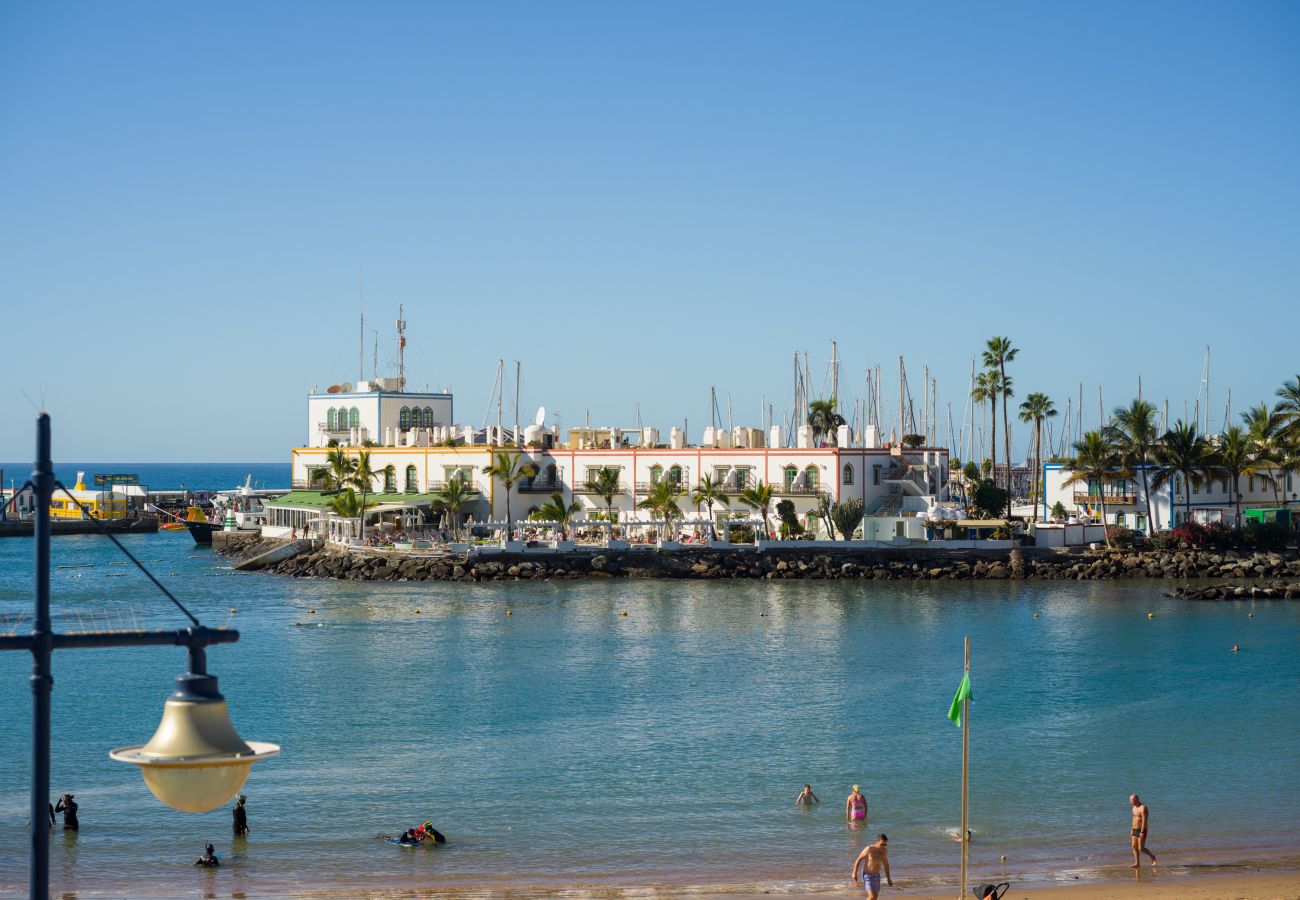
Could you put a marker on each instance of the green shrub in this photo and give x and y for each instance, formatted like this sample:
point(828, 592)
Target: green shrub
point(989, 500)
point(1265, 536)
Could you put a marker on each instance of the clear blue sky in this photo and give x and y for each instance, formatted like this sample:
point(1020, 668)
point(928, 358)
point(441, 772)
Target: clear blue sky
point(637, 200)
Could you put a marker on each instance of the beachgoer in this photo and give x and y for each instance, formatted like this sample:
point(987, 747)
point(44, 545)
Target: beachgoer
point(806, 797)
point(68, 807)
point(53, 821)
point(208, 859)
point(870, 861)
point(240, 816)
point(855, 807)
point(1138, 831)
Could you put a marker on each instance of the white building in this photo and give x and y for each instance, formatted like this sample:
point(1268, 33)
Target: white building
point(378, 411)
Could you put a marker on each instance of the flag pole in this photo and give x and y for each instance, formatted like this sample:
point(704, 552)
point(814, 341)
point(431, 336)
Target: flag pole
point(965, 777)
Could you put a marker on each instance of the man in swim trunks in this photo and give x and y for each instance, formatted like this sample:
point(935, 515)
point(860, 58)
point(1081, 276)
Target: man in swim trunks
point(1138, 832)
point(870, 861)
point(855, 807)
point(806, 797)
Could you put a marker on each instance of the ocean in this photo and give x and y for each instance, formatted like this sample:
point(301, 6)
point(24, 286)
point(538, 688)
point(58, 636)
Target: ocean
point(164, 476)
point(568, 745)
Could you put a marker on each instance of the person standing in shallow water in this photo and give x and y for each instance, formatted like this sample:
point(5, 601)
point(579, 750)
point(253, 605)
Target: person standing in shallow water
point(68, 807)
point(1138, 831)
point(806, 797)
point(240, 816)
point(855, 807)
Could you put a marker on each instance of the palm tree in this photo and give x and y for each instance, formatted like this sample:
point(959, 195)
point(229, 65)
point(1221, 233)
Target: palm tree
point(1289, 407)
point(823, 419)
point(1235, 456)
point(1268, 429)
point(1094, 459)
point(606, 485)
point(708, 493)
point(1182, 451)
point(997, 353)
point(507, 469)
point(346, 504)
point(556, 510)
point(1036, 408)
point(363, 474)
point(759, 497)
point(662, 499)
point(988, 386)
point(452, 498)
point(337, 472)
point(1133, 431)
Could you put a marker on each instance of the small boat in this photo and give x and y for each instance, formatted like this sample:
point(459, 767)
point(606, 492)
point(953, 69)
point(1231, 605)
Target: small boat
point(197, 524)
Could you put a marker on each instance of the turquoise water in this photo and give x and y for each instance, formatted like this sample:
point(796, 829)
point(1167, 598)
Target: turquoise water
point(566, 744)
point(165, 476)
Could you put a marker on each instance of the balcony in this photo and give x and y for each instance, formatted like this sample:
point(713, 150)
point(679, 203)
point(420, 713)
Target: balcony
point(468, 486)
point(645, 487)
point(1083, 498)
point(540, 487)
point(591, 489)
point(799, 490)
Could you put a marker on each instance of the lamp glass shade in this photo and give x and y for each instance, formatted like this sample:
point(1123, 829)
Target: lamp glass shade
point(196, 761)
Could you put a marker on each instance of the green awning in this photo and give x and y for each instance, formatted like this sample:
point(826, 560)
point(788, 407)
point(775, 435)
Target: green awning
point(319, 500)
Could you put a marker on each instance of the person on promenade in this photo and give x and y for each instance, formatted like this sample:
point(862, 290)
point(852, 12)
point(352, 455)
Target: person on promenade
point(855, 807)
point(806, 797)
point(240, 816)
point(208, 859)
point(1138, 831)
point(870, 862)
point(68, 807)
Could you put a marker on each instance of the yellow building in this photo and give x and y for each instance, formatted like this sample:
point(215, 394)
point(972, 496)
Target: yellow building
point(97, 504)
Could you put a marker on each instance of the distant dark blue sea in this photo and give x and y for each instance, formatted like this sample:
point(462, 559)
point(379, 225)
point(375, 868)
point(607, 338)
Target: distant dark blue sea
point(165, 476)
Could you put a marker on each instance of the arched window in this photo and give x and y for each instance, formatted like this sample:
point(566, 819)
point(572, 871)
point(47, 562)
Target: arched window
point(1120, 519)
point(675, 475)
point(354, 418)
point(404, 418)
point(551, 475)
point(848, 474)
point(331, 419)
point(790, 473)
point(412, 480)
point(390, 480)
point(811, 476)
point(656, 472)
point(428, 417)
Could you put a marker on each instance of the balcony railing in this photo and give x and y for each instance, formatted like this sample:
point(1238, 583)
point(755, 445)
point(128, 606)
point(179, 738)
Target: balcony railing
point(1119, 499)
point(645, 487)
point(592, 489)
point(799, 490)
point(540, 487)
point(468, 486)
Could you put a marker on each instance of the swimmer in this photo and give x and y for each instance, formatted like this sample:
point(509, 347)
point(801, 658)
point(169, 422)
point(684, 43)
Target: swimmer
point(806, 797)
point(870, 861)
point(68, 807)
point(208, 859)
point(855, 807)
point(240, 817)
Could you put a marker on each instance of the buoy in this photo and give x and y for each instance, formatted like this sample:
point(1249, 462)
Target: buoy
point(1250, 615)
point(233, 610)
point(509, 613)
point(1235, 648)
point(311, 611)
point(1151, 615)
point(1035, 615)
point(623, 613)
point(417, 612)
point(1004, 857)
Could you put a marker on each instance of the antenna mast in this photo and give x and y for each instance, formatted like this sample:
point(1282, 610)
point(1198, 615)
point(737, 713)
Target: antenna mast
point(518, 441)
point(401, 348)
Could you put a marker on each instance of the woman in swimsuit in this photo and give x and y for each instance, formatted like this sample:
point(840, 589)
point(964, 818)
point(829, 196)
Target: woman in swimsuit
point(855, 807)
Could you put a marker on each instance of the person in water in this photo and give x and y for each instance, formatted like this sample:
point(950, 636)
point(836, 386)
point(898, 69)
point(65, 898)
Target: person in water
point(240, 816)
point(870, 861)
point(855, 807)
point(806, 797)
point(68, 807)
point(1138, 831)
point(208, 859)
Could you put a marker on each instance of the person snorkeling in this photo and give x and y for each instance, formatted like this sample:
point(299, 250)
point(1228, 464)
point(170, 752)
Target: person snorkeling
point(208, 859)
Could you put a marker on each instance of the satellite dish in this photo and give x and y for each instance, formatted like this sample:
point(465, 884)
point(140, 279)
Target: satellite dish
point(333, 389)
point(347, 387)
point(540, 419)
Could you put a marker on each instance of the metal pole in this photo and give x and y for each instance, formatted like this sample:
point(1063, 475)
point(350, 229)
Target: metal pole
point(42, 680)
point(965, 777)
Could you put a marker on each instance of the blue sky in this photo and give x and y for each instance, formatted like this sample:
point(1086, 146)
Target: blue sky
point(637, 201)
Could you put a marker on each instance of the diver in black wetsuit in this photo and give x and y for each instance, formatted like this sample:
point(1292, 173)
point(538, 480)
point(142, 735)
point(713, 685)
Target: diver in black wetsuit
point(208, 859)
point(68, 807)
point(240, 816)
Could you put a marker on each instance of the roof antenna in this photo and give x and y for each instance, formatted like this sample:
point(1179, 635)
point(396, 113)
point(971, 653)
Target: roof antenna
point(401, 348)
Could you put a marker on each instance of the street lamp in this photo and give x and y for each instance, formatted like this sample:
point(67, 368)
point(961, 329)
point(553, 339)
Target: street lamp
point(195, 762)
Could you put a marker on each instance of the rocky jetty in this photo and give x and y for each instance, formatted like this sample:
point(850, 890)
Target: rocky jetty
point(1227, 590)
point(905, 563)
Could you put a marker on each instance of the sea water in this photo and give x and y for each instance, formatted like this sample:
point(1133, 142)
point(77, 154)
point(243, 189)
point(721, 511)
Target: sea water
point(164, 476)
point(558, 742)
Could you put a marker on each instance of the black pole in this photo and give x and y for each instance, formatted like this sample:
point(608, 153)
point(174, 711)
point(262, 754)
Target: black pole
point(42, 680)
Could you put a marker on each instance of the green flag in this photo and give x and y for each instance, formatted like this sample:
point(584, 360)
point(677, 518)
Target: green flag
point(963, 693)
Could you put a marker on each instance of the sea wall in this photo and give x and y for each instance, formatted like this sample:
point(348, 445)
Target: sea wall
point(910, 564)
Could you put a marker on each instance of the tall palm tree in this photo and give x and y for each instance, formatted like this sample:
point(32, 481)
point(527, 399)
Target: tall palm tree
point(1036, 408)
point(1235, 456)
point(662, 499)
point(708, 493)
point(508, 469)
point(988, 387)
point(1094, 459)
point(607, 486)
point(337, 472)
point(346, 504)
point(759, 497)
point(451, 498)
point(1134, 433)
point(823, 419)
point(363, 475)
point(1289, 407)
point(1182, 451)
point(997, 353)
point(1268, 429)
point(556, 510)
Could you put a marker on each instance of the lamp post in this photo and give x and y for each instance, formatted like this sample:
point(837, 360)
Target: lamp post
point(195, 762)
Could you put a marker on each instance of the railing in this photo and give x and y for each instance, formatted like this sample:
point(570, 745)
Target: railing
point(307, 485)
point(799, 490)
point(593, 489)
point(645, 487)
point(540, 487)
point(468, 487)
point(1093, 499)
